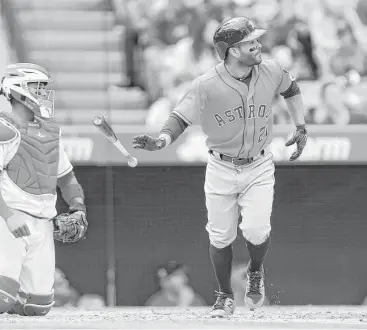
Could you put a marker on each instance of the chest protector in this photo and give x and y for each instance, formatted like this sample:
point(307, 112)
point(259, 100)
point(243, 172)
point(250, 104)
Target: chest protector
point(35, 165)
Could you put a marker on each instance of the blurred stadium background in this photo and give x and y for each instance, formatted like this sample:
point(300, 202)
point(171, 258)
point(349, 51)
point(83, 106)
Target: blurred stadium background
point(130, 60)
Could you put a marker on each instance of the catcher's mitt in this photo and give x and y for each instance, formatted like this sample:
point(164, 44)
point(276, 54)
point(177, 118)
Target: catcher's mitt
point(70, 227)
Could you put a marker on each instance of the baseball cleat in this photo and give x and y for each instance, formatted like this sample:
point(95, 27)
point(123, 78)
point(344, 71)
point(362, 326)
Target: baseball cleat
point(255, 289)
point(224, 306)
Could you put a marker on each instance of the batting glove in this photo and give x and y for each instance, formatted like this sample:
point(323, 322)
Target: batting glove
point(300, 138)
point(148, 142)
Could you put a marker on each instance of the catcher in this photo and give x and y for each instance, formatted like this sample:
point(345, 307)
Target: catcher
point(32, 164)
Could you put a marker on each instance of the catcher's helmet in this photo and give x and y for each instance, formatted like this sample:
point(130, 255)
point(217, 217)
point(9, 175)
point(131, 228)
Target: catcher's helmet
point(16, 85)
point(233, 31)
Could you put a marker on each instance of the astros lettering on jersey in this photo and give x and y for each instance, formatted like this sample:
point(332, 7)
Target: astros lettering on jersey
point(239, 124)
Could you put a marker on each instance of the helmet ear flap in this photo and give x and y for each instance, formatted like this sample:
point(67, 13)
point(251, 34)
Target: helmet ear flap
point(5, 91)
point(222, 49)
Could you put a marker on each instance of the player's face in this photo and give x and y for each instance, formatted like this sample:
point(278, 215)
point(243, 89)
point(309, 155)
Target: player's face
point(38, 88)
point(249, 53)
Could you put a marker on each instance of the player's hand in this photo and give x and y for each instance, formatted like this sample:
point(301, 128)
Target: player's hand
point(300, 138)
point(17, 226)
point(147, 142)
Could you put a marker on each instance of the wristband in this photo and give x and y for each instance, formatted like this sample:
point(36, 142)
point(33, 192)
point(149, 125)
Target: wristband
point(302, 128)
point(160, 143)
point(163, 141)
point(74, 207)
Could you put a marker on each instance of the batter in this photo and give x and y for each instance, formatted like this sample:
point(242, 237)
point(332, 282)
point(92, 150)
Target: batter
point(32, 164)
point(232, 104)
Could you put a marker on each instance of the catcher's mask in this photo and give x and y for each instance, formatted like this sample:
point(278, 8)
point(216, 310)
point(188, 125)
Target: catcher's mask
point(25, 83)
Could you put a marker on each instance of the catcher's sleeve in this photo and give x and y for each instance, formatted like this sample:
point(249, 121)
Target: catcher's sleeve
point(64, 166)
point(72, 192)
point(9, 142)
point(5, 211)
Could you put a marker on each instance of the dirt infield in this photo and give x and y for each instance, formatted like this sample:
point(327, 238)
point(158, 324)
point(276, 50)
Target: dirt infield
point(300, 317)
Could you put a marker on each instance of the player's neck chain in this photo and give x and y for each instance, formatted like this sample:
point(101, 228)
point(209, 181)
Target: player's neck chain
point(244, 78)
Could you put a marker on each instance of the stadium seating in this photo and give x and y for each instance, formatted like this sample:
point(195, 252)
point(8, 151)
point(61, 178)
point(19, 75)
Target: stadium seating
point(80, 44)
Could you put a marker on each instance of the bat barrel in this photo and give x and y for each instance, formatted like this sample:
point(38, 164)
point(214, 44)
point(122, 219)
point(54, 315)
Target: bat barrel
point(98, 120)
point(101, 123)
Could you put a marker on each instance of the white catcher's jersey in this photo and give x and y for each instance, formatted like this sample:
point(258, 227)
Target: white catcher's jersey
point(9, 148)
point(41, 206)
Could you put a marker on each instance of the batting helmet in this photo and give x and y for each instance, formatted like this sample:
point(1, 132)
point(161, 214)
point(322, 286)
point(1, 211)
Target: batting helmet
point(233, 31)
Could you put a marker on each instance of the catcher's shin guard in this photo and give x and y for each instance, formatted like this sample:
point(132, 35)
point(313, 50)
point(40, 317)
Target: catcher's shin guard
point(32, 304)
point(8, 292)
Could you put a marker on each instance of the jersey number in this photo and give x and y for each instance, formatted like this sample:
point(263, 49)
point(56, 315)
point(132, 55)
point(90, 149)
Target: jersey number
point(263, 133)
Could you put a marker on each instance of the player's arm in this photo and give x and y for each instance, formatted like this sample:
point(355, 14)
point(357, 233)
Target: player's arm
point(71, 190)
point(184, 114)
point(171, 130)
point(15, 223)
point(70, 227)
point(8, 136)
point(5, 211)
point(291, 92)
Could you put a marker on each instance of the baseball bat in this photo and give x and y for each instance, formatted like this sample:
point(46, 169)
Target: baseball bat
point(101, 123)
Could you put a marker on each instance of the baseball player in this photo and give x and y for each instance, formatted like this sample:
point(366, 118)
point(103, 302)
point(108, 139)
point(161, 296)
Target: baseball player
point(232, 103)
point(32, 164)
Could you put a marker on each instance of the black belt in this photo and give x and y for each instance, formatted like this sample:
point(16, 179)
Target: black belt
point(235, 160)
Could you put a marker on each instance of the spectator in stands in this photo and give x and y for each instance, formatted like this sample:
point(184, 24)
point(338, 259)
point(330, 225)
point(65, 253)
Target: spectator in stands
point(350, 55)
point(344, 101)
point(130, 16)
point(175, 289)
point(176, 37)
point(186, 60)
point(335, 16)
point(301, 43)
point(289, 41)
point(326, 38)
point(193, 55)
point(361, 10)
point(169, 22)
point(356, 15)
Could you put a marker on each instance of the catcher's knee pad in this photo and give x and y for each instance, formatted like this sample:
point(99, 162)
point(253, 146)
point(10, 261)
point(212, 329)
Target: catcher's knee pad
point(33, 304)
point(8, 292)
